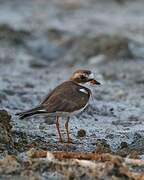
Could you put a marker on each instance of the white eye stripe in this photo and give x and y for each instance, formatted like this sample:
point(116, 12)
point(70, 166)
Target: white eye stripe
point(83, 90)
point(91, 76)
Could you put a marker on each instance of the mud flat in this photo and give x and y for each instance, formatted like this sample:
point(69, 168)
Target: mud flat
point(41, 44)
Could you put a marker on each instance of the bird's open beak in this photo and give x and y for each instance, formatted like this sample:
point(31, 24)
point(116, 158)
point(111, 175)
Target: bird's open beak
point(93, 81)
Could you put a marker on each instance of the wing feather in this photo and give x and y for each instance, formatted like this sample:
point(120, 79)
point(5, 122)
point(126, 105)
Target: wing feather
point(66, 98)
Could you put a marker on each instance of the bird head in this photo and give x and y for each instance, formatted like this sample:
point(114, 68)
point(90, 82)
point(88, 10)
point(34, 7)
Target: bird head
point(84, 76)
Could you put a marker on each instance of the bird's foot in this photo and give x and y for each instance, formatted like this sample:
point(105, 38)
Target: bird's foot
point(61, 140)
point(69, 140)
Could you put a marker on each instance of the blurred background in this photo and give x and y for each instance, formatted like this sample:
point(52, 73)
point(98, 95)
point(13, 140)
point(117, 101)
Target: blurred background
point(43, 41)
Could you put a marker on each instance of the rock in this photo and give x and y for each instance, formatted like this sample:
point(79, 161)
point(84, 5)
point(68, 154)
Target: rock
point(5, 120)
point(138, 143)
point(6, 141)
point(70, 168)
point(102, 146)
point(37, 64)
point(45, 49)
point(111, 46)
point(81, 133)
point(20, 141)
point(56, 35)
point(9, 165)
point(2, 97)
point(121, 2)
point(125, 150)
point(9, 92)
point(9, 34)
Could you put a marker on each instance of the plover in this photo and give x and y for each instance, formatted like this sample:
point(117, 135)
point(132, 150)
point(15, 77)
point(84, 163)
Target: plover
point(68, 98)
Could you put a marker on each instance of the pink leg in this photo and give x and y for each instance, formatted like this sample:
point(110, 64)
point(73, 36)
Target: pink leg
point(67, 130)
point(57, 126)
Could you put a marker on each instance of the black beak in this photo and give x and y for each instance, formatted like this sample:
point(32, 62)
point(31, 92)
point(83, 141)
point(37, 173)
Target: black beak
point(98, 83)
point(93, 81)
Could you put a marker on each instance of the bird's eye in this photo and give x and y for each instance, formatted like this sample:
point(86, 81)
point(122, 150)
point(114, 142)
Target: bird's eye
point(82, 77)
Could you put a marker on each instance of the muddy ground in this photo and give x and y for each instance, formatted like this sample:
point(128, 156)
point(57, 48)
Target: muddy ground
point(42, 42)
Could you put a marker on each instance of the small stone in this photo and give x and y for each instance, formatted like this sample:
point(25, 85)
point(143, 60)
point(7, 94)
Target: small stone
point(5, 119)
point(102, 146)
point(6, 141)
point(111, 109)
point(37, 64)
point(123, 145)
point(9, 165)
point(10, 34)
point(81, 133)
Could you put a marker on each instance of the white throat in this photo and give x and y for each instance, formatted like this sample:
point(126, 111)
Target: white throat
point(88, 85)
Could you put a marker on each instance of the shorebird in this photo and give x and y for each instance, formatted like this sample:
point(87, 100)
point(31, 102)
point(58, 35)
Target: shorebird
point(68, 98)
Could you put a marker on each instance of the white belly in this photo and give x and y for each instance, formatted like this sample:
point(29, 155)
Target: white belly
point(78, 111)
point(63, 114)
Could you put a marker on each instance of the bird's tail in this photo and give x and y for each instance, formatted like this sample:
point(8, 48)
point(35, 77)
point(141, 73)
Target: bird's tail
point(31, 112)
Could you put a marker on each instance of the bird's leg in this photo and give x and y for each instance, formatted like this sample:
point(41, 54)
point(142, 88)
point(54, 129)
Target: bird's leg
point(67, 130)
point(57, 126)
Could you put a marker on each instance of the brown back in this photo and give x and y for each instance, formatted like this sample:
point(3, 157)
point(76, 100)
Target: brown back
point(66, 97)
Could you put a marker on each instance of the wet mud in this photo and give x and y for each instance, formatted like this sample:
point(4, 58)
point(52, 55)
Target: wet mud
point(42, 43)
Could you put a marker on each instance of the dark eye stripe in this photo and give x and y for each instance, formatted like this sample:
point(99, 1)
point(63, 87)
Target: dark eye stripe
point(82, 77)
